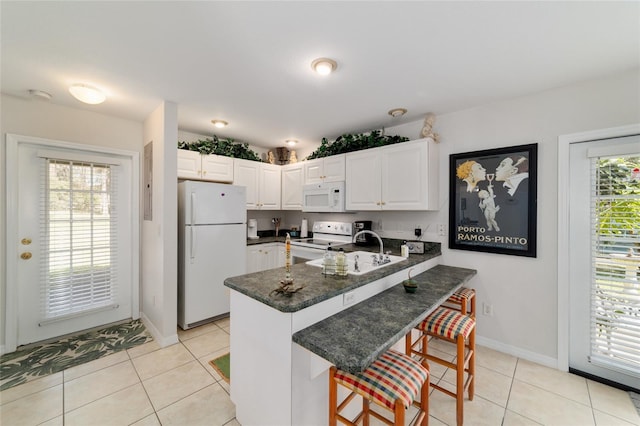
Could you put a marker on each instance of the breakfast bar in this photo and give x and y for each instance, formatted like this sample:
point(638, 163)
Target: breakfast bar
point(282, 346)
point(352, 339)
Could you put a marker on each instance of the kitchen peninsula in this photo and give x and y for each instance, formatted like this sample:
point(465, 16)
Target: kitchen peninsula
point(282, 347)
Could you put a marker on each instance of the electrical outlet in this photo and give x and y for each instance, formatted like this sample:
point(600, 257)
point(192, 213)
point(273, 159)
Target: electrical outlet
point(487, 309)
point(442, 229)
point(417, 231)
point(349, 298)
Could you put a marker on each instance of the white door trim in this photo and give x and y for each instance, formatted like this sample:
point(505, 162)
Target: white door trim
point(563, 226)
point(11, 300)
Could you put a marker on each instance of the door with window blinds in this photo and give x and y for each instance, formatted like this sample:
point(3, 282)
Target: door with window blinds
point(605, 259)
point(75, 214)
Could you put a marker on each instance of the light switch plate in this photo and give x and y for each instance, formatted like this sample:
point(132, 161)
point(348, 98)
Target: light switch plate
point(416, 247)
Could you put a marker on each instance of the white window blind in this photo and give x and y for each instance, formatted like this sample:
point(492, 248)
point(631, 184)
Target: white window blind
point(615, 290)
point(78, 229)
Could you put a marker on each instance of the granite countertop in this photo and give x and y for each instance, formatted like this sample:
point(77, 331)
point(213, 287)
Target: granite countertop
point(317, 287)
point(265, 240)
point(352, 339)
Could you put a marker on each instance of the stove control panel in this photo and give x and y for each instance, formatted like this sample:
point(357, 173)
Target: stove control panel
point(334, 228)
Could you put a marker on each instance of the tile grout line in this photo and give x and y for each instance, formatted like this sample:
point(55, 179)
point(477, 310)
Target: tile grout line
point(155, 412)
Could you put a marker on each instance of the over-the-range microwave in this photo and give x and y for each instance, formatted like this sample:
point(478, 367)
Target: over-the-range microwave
point(323, 197)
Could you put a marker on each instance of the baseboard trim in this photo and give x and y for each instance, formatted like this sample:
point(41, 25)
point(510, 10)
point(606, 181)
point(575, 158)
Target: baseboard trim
point(518, 352)
point(162, 341)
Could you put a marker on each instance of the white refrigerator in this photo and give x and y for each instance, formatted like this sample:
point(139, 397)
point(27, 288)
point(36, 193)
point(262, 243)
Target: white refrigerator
point(211, 247)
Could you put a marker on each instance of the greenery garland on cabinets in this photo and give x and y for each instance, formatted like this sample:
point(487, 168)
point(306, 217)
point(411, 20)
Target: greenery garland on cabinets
point(225, 147)
point(350, 143)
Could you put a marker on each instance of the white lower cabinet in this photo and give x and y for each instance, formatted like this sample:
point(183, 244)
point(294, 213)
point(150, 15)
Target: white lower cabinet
point(262, 182)
point(213, 168)
point(261, 257)
point(402, 176)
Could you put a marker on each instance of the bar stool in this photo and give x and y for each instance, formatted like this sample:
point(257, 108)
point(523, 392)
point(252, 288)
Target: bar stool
point(393, 381)
point(461, 299)
point(455, 327)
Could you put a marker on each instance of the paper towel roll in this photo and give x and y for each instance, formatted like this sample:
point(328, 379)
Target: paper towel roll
point(304, 232)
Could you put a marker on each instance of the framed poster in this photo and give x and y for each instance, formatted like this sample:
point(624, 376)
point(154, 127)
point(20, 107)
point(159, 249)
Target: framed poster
point(492, 200)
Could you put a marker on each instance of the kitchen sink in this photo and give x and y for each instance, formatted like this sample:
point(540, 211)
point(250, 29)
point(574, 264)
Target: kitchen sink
point(365, 262)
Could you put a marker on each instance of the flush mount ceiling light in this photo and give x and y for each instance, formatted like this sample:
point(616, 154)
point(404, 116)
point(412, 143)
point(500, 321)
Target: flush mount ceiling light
point(87, 94)
point(324, 66)
point(219, 123)
point(40, 94)
point(397, 112)
point(291, 142)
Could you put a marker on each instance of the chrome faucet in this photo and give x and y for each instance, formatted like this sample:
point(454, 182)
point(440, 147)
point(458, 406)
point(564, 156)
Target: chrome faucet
point(381, 255)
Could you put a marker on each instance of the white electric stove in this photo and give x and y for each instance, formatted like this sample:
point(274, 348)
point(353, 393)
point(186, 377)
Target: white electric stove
point(325, 234)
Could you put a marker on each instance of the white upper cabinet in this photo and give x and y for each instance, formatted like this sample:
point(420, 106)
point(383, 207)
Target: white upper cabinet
point(402, 176)
point(262, 182)
point(214, 168)
point(292, 182)
point(328, 169)
point(270, 180)
point(217, 168)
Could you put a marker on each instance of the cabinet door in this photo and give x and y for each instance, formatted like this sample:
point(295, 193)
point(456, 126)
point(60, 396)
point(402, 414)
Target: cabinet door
point(269, 183)
point(189, 164)
point(253, 258)
point(246, 173)
point(404, 179)
point(281, 255)
point(363, 180)
point(217, 168)
point(334, 168)
point(313, 171)
point(292, 181)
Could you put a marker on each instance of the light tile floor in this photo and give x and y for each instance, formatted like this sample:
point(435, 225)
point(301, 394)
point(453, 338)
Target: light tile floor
point(148, 385)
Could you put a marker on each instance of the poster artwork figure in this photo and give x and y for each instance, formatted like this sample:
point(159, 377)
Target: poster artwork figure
point(471, 172)
point(488, 206)
point(512, 171)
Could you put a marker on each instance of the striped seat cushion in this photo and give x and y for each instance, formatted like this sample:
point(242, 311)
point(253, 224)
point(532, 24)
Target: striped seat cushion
point(447, 323)
point(392, 376)
point(463, 293)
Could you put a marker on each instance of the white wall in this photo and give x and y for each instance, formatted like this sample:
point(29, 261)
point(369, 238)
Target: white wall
point(160, 235)
point(45, 120)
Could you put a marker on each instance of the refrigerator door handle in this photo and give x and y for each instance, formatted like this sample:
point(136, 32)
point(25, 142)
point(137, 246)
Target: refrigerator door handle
point(192, 249)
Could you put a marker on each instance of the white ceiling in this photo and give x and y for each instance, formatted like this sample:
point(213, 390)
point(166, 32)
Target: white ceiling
point(249, 62)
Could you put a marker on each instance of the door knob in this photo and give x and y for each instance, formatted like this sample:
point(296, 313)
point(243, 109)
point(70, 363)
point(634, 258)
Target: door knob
point(25, 241)
point(26, 255)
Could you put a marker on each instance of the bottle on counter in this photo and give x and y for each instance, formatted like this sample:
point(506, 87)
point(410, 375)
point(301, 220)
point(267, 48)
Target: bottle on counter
point(404, 249)
point(329, 262)
point(341, 263)
point(304, 232)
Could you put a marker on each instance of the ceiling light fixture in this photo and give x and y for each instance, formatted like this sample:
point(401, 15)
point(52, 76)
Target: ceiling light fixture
point(219, 123)
point(87, 94)
point(40, 94)
point(291, 142)
point(397, 112)
point(324, 66)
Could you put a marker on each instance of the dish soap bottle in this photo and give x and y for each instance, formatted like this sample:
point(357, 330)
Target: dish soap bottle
point(329, 262)
point(341, 263)
point(404, 249)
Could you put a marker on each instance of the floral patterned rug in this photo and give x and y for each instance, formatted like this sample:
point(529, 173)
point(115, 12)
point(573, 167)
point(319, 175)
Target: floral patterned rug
point(24, 365)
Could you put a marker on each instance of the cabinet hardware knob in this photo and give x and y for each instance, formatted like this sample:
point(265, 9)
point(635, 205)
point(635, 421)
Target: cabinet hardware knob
point(26, 255)
point(25, 241)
